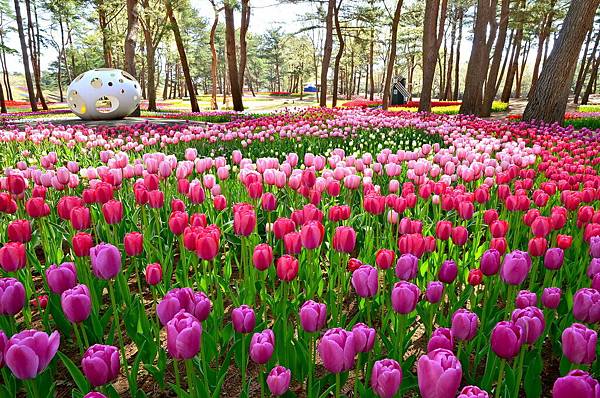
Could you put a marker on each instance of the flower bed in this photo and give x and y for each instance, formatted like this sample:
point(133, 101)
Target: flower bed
point(301, 253)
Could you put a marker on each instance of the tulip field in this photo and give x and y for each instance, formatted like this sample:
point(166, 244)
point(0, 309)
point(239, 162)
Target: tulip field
point(309, 253)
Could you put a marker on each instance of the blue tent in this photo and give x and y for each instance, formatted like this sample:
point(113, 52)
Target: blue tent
point(310, 88)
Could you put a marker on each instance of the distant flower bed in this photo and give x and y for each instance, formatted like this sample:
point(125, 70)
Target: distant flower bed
point(579, 120)
point(364, 103)
point(21, 115)
point(280, 93)
point(205, 116)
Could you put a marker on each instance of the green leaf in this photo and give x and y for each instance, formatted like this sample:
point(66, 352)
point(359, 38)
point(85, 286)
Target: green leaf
point(532, 385)
point(76, 374)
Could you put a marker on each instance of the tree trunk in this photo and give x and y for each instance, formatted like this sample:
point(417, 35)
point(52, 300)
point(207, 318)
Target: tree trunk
point(214, 60)
point(327, 49)
point(245, 23)
point(33, 48)
point(232, 66)
point(392, 57)
point(492, 78)
point(103, 24)
point(25, 56)
point(512, 67)
point(130, 37)
point(472, 103)
point(338, 56)
point(519, 76)
point(592, 82)
point(447, 94)
point(166, 86)
point(586, 62)
point(433, 32)
point(544, 34)
point(182, 56)
point(2, 101)
point(549, 99)
point(461, 14)
point(371, 67)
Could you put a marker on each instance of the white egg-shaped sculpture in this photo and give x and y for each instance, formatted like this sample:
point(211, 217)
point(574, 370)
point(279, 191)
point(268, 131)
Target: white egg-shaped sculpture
point(104, 94)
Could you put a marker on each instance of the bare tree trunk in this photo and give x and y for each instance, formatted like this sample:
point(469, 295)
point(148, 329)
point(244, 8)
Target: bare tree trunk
point(130, 38)
point(492, 78)
point(371, 66)
point(33, 47)
point(214, 60)
point(548, 101)
point(519, 75)
point(3, 59)
point(327, 49)
point(338, 56)
point(433, 32)
point(392, 57)
point(245, 23)
point(592, 82)
point(234, 79)
point(542, 37)
point(472, 103)
point(448, 88)
point(25, 56)
point(461, 14)
point(182, 56)
point(586, 62)
point(2, 101)
point(512, 67)
point(103, 24)
point(167, 77)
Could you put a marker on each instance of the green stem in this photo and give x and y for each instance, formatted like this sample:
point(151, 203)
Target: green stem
point(243, 362)
point(111, 292)
point(337, 385)
point(190, 378)
point(520, 370)
point(310, 365)
point(500, 376)
point(400, 337)
point(176, 370)
point(78, 338)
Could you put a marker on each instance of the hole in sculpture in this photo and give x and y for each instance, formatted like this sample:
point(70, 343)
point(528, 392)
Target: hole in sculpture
point(110, 84)
point(96, 82)
point(107, 104)
point(122, 91)
point(127, 75)
point(121, 80)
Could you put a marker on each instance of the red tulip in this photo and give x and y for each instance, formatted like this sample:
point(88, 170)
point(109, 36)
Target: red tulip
point(37, 207)
point(112, 211)
point(244, 220)
point(220, 202)
point(475, 277)
point(134, 244)
point(268, 202)
point(292, 242)
point(207, 242)
point(287, 268)
point(262, 256)
point(153, 274)
point(16, 184)
point(12, 256)
point(499, 244)
point(459, 235)
point(178, 221)
point(499, 228)
point(537, 246)
point(19, 231)
point(82, 242)
point(156, 199)
point(443, 230)
point(384, 258)
point(344, 239)
point(80, 218)
point(564, 241)
point(66, 204)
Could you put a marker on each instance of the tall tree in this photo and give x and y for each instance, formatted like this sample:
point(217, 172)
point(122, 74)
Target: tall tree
point(244, 24)
point(392, 57)
point(182, 56)
point(338, 56)
point(213, 54)
point(586, 63)
point(131, 36)
point(543, 34)
point(34, 52)
point(485, 31)
point(25, 56)
point(548, 101)
point(433, 33)
point(232, 66)
point(327, 49)
point(153, 24)
point(492, 76)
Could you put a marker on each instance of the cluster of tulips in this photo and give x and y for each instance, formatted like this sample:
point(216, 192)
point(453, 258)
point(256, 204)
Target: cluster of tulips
point(467, 265)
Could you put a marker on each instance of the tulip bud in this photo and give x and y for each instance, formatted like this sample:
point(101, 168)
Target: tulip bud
point(262, 346)
point(386, 378)
point(337, 350)
point(464, 324)
point(579, 344)
point(243, 319)
point(76, 303)
point(405, 296)
point(551, 297)
point(365, 281)
point(82, 243)
point(184, 333)
point(384, 258)
point(287, 268)
point(19, 231)
point(12, 256)
point(61, 278)
point(434, 292)
point(576, 380)
point(278, 380)
point(262, 256)
point(313, 316)
point(106, 261)
point(506, 339)
point(153, 274)
point(133, 243)
point(438, 370)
